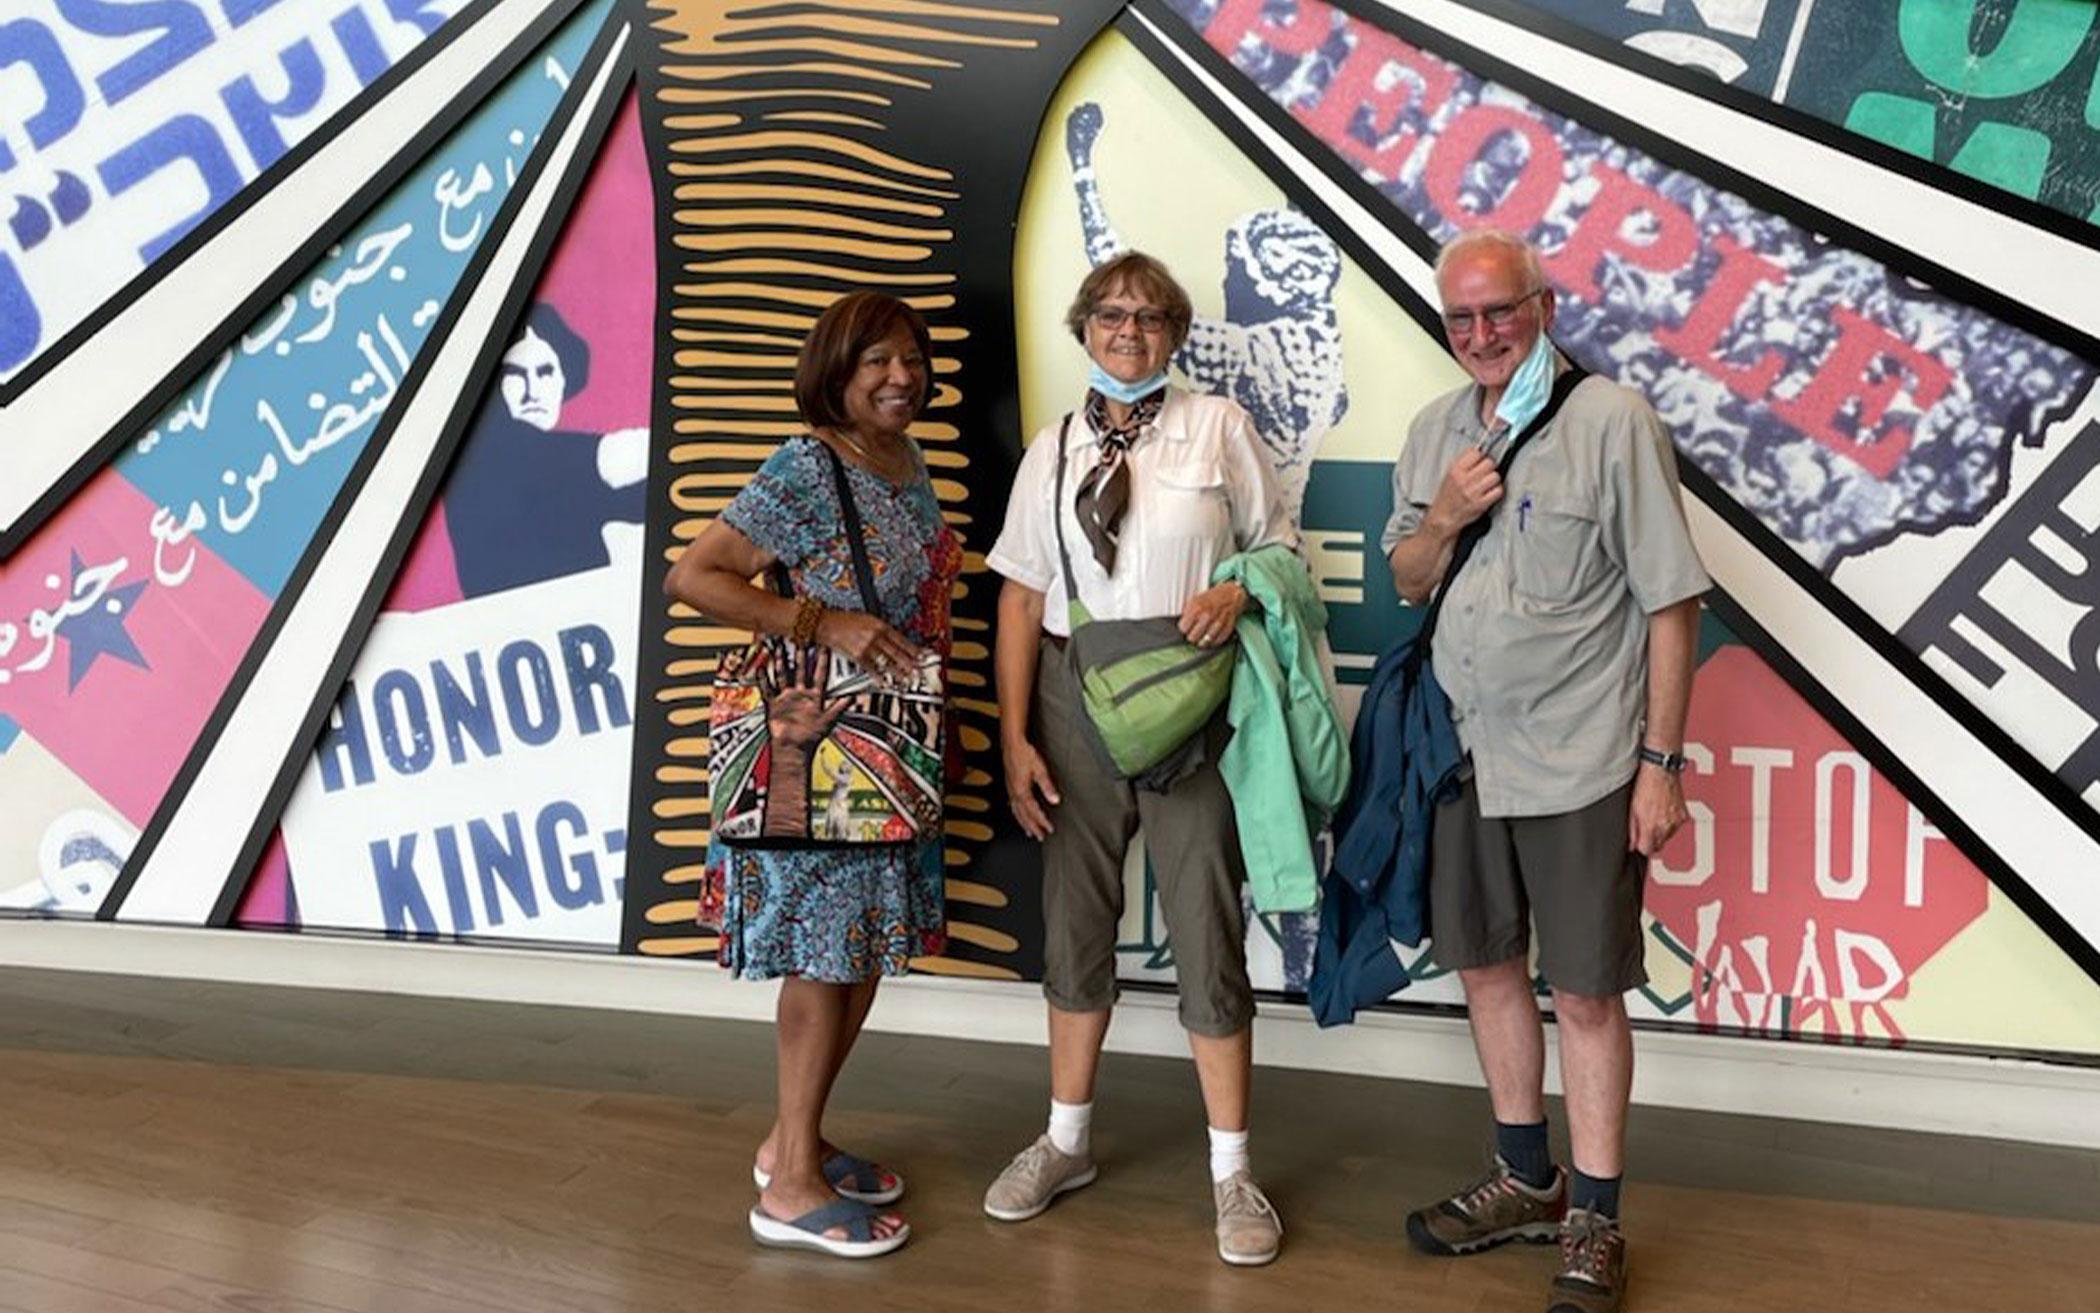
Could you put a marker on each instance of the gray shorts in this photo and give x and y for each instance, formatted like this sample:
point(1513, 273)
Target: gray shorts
point(1571, 874)
point(1195, 852)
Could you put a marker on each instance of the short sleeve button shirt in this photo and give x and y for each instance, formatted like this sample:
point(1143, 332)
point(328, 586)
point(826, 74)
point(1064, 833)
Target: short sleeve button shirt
point(1543, 641)
point(1201, 490)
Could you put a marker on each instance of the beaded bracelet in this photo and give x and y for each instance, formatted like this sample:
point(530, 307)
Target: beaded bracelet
point(809, 612)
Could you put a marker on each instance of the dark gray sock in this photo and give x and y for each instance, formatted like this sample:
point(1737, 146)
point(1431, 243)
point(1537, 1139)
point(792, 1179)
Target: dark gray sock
point(1523, 1146)
point(1599, 1194)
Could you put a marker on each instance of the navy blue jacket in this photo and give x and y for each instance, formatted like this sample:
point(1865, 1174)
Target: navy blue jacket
point(1407, 760)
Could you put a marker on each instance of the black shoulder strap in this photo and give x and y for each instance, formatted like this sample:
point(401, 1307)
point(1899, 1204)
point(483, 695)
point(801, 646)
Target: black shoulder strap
point(1470, 536)
point(1057, 509)
point(856, 539)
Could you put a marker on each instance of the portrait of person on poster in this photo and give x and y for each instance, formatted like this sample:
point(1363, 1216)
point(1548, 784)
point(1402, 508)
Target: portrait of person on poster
point(528, 499)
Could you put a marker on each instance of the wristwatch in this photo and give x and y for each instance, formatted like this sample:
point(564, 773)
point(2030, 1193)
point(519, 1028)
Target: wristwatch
point(1672, 762)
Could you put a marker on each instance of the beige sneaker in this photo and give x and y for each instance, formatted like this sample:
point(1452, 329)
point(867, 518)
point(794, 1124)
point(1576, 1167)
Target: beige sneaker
point(1037, 1175)
point(1249, 1231)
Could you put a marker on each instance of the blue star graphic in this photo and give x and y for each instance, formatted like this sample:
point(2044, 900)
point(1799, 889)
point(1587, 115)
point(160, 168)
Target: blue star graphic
point(99, 630)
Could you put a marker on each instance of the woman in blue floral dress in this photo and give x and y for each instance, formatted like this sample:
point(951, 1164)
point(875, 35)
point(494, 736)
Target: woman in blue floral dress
point(829, 923)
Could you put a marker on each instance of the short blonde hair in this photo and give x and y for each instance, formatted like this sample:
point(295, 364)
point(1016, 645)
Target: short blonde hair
point(1139, 273)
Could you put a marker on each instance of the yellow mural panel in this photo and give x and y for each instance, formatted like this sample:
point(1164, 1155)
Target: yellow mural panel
point(2003, 984)
point(1174, 187)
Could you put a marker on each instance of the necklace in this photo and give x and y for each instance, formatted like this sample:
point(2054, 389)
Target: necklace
point(869, 460)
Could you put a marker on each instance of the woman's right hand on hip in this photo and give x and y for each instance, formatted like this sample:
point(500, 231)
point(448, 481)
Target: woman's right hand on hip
point(1030, 791)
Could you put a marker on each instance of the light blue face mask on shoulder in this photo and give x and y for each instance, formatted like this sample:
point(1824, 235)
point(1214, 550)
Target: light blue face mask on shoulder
point(1529, 388)
point(1129, 394)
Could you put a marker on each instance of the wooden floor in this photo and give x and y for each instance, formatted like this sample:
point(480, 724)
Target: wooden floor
point(199, 1147)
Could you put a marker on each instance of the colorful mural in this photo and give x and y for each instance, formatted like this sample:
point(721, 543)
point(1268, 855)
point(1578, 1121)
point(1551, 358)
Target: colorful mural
point(1809, 898)
point(473, 777)
point(1808, 431)
point(135, 604)
point(511, 724)
point(772, 200)
point(140, 121)
point(2002, 91)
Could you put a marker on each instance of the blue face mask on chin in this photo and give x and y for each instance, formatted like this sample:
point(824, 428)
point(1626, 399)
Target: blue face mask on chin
point(1115, 389)
point(1529, 388)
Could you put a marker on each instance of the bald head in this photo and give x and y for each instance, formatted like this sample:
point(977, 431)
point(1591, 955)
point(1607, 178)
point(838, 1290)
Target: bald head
point(1495, 303)
point(1496, 243)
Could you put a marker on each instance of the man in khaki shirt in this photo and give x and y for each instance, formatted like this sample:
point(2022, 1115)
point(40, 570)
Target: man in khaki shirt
point(1566, 645)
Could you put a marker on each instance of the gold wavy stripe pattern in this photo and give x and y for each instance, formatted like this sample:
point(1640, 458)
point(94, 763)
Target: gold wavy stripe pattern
point(783, 191)
point(955, 966)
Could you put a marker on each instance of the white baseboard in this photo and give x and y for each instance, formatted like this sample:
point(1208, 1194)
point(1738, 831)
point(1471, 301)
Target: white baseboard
point(2003, 1098)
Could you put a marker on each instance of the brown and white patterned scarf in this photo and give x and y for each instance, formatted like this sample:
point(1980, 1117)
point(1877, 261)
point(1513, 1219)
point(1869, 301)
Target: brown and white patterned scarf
point(1104, 494)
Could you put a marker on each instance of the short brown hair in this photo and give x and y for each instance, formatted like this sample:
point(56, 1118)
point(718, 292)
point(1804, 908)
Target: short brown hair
point(831, 352)
point(1137, 272)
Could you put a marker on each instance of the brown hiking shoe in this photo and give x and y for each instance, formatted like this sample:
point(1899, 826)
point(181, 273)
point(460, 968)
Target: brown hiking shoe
point(1493, 1211)
point(1592, 1276)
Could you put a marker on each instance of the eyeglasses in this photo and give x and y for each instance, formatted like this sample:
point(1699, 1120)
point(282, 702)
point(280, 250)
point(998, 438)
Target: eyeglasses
point(1113, 317)
point(1459, 323)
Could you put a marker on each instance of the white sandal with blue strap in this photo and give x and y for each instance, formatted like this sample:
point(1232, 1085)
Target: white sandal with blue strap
point(853, 1177)
point(807, 1231)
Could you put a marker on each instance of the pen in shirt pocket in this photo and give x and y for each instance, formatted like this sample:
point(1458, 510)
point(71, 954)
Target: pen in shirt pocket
point(1524, 513)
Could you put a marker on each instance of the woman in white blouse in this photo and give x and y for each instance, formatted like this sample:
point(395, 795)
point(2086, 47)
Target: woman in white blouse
point(1159, 487)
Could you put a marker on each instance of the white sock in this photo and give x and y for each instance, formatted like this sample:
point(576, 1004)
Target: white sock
point(1071, 1127)
point(1228, 1153)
